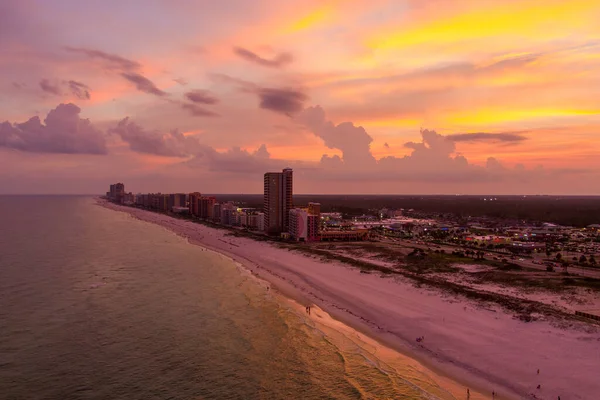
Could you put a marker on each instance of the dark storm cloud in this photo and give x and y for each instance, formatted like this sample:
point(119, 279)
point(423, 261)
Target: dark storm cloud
point(201, 96)
point(50, 88)
point(142, 83)
point(507, 137)
point(112, 60)
point(280, 60)
point(284, 101)
point(62, 132)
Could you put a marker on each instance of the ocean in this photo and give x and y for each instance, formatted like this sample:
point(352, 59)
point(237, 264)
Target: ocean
point(95, 304)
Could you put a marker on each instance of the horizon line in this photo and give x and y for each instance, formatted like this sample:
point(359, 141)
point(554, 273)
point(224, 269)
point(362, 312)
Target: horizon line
point(323, 194)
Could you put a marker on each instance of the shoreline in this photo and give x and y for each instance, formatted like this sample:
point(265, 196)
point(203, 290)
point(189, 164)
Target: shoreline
point(452, 357)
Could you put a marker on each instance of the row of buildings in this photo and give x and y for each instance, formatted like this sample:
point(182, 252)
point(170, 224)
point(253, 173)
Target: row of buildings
point(277, 217)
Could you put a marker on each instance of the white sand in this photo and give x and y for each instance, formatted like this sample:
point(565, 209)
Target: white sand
point(483, 348)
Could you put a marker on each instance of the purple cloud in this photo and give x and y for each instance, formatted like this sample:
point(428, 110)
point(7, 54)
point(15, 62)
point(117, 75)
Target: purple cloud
point(197, 110)
point(142, 83)
point(284, 101)
point(172, 144)
point(507, 137)
point(79, 89)
point(280, 60)
point(62, 132)
point(50, 88)
point(111, 60)
point(353, 141)
point(201, 96)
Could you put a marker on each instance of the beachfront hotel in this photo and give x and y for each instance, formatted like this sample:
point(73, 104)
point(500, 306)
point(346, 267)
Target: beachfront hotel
point(305, 222)
point(117, 193)
point(277, 203)
point(193, 204)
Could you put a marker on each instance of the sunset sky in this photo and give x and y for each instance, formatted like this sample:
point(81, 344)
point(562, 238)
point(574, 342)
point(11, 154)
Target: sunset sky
point(378, 96)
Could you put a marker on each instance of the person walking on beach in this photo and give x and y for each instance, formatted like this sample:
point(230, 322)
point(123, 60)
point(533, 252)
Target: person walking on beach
point(308, 310)
point(468, 393)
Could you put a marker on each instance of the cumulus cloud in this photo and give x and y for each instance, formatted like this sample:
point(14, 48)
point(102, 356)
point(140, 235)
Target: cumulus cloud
point(353, 141)
point(508, 137)
point(201, 96)
point(172, 144)
point(49, 87)
point(175, 144)
point(111, 61)
point(284, 101)
point(280, 60)
point(262, 152)
point(433, 159)
point(142, 83)
point(432, 142)
point(63, 131)
point(239, 161)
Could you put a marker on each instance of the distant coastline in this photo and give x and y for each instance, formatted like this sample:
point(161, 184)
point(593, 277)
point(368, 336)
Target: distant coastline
point(310, 281)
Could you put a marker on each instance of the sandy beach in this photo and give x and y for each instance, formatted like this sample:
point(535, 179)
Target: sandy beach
point(481, 347)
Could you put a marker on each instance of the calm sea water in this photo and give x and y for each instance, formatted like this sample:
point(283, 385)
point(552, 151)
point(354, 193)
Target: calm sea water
point(95, 304)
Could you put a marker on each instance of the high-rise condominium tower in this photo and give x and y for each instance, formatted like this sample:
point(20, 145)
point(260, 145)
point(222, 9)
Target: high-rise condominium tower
point(278, 200)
